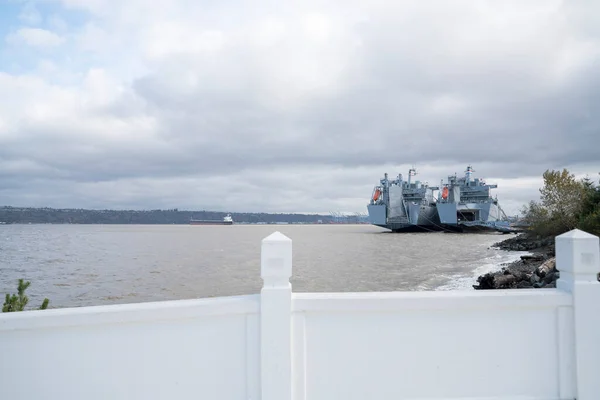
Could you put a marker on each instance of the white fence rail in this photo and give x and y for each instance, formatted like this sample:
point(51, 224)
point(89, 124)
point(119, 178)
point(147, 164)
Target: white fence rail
point(534, 344)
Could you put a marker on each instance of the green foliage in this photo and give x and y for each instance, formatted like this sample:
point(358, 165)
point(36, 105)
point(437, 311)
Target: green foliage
point(538, 218)
point(591, 222)
point(566, 203)
point(17, 302)
point(590, 216)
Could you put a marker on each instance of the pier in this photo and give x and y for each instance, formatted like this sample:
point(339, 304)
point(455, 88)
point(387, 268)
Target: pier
point(513, 344)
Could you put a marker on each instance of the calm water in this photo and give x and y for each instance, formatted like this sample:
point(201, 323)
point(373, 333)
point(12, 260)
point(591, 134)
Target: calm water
point(81, 265)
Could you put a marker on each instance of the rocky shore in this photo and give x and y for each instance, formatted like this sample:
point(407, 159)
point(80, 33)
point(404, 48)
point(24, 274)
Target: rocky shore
point(537, 270)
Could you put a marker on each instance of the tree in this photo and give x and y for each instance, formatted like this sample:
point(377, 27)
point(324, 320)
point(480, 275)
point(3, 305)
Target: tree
point(562, 200)
point(590, 216)
point(17, 302)
point(591, 196)
point(563, 196)
point(537, 217)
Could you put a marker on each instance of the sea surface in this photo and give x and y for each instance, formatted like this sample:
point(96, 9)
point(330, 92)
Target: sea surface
point(84, 265)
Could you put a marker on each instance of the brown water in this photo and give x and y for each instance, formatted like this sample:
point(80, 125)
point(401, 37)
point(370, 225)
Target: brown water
point(81, 265)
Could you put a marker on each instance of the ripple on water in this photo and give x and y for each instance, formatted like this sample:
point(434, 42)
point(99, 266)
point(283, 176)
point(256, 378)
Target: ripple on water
point(77, 265)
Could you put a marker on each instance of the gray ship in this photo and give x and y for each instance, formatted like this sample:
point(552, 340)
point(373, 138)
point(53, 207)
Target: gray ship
point(403, 206)
point(465, 204)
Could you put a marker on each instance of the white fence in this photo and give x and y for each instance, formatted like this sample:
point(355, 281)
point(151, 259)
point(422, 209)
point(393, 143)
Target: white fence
point(533, 344)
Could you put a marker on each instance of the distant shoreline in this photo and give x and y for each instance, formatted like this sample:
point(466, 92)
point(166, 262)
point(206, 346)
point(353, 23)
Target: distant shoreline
point(186, 224)
point(29, 215)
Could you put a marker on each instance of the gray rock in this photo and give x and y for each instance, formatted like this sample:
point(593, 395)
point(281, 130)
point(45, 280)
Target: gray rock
point(549, 278)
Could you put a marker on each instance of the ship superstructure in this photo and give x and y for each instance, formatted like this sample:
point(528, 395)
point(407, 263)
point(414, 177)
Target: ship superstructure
point(466, 204)
point(401, 205)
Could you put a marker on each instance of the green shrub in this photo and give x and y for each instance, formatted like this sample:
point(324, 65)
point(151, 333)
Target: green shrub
point(566, 203)
point(17, 302)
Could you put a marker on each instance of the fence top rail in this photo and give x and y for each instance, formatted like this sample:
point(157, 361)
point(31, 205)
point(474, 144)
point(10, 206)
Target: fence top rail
point(431, 300)
point(130, 313)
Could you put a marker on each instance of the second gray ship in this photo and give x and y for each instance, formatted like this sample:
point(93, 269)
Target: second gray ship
point(465, 204)
point(403, 206)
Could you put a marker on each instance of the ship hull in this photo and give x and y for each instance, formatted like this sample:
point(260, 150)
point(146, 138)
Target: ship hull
point(420, 218)
point(197, 222)
point(472, 217)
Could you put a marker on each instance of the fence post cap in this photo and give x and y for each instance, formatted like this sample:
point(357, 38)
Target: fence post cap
point(576, 234)
point(276, 237)
point(578, 256)
point(276, 259)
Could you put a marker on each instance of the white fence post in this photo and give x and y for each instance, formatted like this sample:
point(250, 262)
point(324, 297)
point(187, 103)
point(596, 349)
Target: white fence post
point(578, 260)
point(275, 318)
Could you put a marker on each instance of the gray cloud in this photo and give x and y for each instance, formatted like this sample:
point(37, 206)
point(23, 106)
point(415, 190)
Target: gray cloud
point(289, 110)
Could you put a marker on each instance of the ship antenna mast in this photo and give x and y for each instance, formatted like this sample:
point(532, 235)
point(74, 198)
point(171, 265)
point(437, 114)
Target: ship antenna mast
point(468, 173)
point(411, 172)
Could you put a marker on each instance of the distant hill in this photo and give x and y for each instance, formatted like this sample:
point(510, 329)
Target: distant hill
point(23, 215)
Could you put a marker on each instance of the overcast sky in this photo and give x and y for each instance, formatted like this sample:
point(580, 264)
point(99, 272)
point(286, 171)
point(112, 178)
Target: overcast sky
point(292, 106)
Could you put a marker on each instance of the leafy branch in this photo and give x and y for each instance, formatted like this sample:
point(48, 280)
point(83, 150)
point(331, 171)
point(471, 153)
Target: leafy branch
point(17, 302)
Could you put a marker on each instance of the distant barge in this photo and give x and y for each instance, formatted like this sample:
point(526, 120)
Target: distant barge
point(227, 220)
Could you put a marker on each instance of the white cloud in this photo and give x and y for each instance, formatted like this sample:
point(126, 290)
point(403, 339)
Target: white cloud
point(57, 23)
point(36, 37)
point(301, 107)
point(30, 14)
